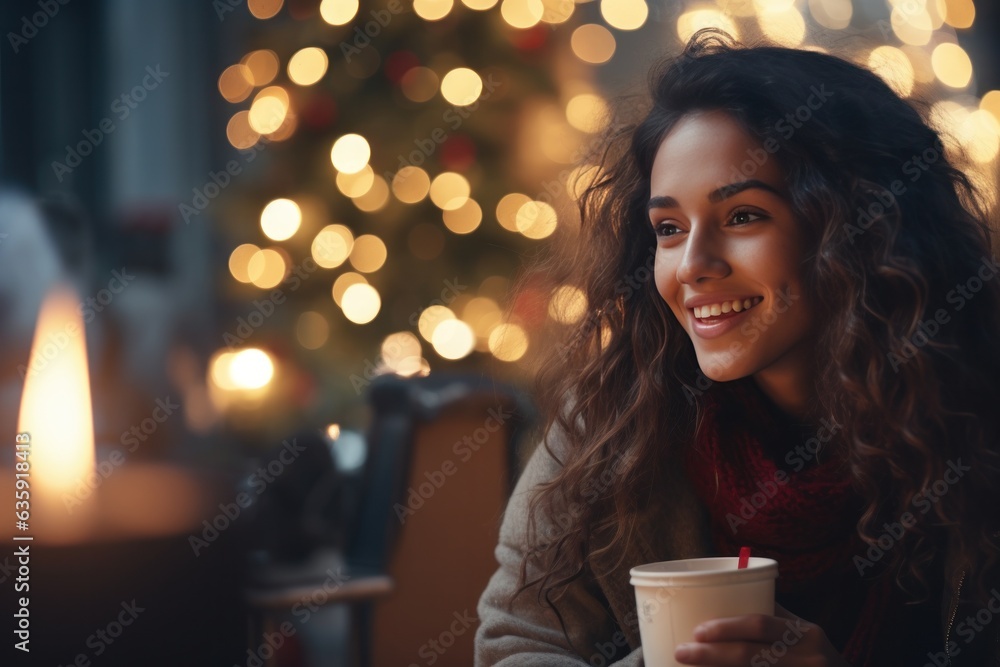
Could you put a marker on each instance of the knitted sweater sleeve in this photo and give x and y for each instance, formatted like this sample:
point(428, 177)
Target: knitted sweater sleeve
point(526, 632)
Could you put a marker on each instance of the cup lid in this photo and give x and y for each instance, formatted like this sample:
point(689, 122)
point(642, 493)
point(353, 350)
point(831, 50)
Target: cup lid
point(703, 572)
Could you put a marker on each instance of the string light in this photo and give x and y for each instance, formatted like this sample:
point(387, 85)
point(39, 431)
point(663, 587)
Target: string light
point(350, 153)
point(338, 12)
point(361, 303)
point(593, 43)
point(307, 66)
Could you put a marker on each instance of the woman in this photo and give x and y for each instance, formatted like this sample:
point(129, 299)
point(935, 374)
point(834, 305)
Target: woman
point(809, 370)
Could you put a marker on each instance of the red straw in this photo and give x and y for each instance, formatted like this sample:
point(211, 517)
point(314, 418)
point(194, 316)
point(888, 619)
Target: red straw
point(744, 557)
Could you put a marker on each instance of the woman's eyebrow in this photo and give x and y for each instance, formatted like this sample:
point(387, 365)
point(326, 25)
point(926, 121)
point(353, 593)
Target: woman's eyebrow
point(717, 195)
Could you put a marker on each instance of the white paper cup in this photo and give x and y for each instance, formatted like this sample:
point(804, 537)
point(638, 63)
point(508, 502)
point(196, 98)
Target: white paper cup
point(674, 597)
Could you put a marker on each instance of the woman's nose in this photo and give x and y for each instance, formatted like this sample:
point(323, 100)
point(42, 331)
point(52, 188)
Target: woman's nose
point(704, 256)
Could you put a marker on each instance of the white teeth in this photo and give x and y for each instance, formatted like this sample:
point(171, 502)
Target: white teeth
point(716, 309)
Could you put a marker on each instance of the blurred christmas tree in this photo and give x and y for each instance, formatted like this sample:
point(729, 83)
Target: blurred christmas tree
point(380, 222)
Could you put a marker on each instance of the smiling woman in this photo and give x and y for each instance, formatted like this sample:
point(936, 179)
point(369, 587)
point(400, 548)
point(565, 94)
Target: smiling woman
point(752, 393)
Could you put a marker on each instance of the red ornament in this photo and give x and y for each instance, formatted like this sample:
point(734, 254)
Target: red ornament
point(458, 153)
point(531, 39)
point(398, 64)
point(319, 112)
point(530, 306)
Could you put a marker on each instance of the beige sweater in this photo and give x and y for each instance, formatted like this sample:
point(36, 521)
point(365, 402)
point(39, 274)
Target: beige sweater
point(528, 633)
point(595, 606)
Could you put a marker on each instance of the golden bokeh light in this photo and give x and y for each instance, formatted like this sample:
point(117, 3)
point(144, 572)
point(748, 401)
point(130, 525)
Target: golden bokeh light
point(912, 24)
point(239, 261)
point(482, 314)
point(960, 13)
point(787, 27)
point(280, 219)
point(557, 11)
point(307, 66)
point(432, 10)
point(508, 342)
point(568, 304)
point(332, 246)
point(624, 14)
point(522, 13)
point(587, 112)
point(453, 339)
point(238, 131)
point(369, 253)
point(267, 268)
point(461, 86)
point(593, 43)
point(251, 368)
point(267, 113)
point(580, 178)
point(991, 103)
point(449, 190)
point(465, 219)
point(264, 9)
point(952, 65)
point(832, 14)
point(312, 330)
point(235, 83)
point(507, 209)
point(949, 119)
point(356, 184)
point(262, 66)
point(536, 220)
point(401, 352)
point(411, 184)
point(375, 198)
point(338, 12)
point(894, 67)
point(350, 153)
point(480, 5)
point(419, 84)
point(361, 303)
point(694, 20)
point(344, 281)
point(431, 318)
point(981, 136)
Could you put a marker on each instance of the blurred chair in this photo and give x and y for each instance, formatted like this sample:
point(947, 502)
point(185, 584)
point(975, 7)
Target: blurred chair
point(441, 465)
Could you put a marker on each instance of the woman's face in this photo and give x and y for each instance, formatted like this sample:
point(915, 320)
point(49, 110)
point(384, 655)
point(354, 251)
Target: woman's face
point(726, 233)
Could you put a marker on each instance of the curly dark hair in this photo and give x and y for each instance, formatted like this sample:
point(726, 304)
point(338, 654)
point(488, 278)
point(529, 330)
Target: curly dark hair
point(894, 228)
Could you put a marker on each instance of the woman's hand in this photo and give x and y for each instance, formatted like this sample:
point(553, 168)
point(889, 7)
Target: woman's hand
point(760, 641)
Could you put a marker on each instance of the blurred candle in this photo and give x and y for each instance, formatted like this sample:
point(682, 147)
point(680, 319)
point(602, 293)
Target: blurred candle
point(56, 414)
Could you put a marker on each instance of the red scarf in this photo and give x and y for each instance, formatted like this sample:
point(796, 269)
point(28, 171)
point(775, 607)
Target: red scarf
point(805, 519)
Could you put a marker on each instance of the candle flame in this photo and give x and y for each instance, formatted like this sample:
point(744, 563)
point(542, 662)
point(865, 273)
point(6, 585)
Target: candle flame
point(56, 406)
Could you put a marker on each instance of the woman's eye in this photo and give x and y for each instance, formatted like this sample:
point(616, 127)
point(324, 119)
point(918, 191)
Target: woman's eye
point(744, 217)
point(665, 229)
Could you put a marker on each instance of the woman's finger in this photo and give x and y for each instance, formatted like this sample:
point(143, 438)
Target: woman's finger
point(750, 628)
